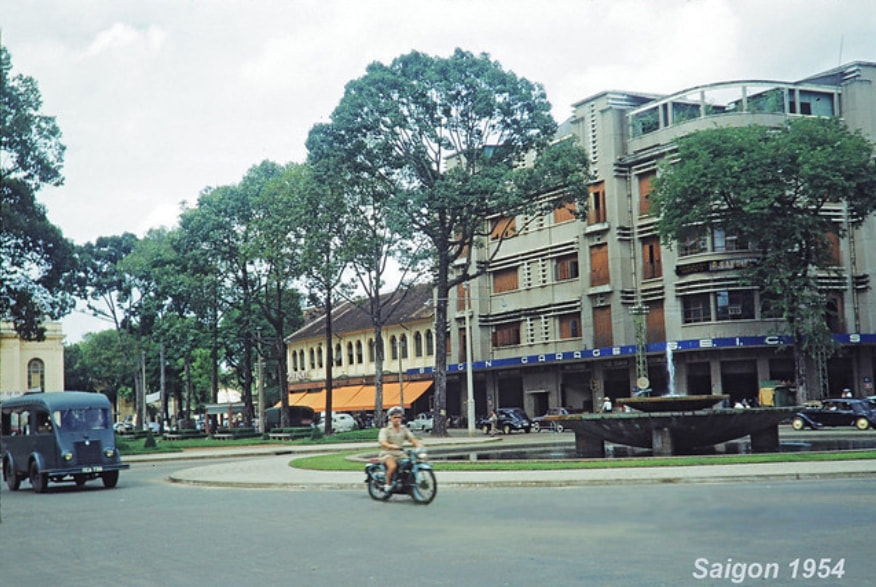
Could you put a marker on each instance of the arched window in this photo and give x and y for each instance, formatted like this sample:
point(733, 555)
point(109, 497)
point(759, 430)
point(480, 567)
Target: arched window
point(294, 360)
point(418, 344)
point(302, 365)
point(338, 356)
point(312, 358)
point(319, 356)
point(371, 350)
point(393, 347)
point(430, 344)
point(359, 357)
point(403, 343)
point(349, 353)
point(36, 375)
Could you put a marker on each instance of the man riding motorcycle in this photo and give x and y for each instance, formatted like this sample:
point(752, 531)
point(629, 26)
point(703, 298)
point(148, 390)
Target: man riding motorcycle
point(391, 439)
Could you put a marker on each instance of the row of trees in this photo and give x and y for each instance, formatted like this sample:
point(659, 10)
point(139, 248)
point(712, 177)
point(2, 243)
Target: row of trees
point(416, 158)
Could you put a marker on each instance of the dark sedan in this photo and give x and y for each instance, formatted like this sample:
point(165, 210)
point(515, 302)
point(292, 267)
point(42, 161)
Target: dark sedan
point(510, 419)
point(859, 413)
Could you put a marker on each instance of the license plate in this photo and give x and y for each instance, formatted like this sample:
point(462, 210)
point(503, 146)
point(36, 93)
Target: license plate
point(92, 469)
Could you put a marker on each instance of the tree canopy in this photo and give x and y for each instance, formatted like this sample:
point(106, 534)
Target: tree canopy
point(448, 142)
point(35, 258)
point(786, 192)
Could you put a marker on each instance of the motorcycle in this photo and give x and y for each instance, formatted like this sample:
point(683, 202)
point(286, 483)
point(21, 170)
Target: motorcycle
point(414, 476)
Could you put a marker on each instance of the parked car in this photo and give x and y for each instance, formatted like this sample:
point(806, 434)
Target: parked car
point(341, 422)
point(859, 413)
point(125, 427)
point(510, 419)
point(422, 423)
point(542, 423)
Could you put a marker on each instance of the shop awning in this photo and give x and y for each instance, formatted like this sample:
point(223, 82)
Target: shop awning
point(355, 398)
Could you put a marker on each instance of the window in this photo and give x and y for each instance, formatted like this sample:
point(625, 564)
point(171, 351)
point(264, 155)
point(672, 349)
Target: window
point(599, 265)
point(602, 332)
point(833, 249)
point(696, 308)
point(36, 375)
point(463, 341)
point(294, 360)
point(654, 322)
point(596, 210)
point(312, 358)
point(418, 344)
point(430, 344)
point(692, 245)
point(651, 265)
point(770, 306)
point(301, 364)
point(319, 356)
point(403, 345)
point(393, 348)
point(359, 357)
point(504, 227)
point(734, 305)
point(570, 325)
point(566, 268)
point(350, 354)
point(564, 213)
point(506, 335)
point(505, 280)
point(371, 351)
point(645, 189)
point(722, 242)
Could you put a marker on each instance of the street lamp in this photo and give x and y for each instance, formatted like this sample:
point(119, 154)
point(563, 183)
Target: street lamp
point(469, 376)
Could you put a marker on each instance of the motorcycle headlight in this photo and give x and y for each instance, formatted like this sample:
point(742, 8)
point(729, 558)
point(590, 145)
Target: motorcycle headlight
point(422, 455)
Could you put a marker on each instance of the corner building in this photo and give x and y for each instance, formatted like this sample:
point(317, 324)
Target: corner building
point(575, 309)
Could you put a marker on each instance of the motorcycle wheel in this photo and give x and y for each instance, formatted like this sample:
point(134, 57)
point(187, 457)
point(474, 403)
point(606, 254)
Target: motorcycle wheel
point(425, 487)
point(375, 489)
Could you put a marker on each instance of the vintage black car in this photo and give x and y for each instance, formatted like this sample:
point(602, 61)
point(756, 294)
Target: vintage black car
point(859, 413)
point(510, 419)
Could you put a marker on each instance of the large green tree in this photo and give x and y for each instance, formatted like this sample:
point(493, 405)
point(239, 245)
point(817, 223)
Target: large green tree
point(35, 258)
point(783, 190)
point(386, 258)
point(451, 141)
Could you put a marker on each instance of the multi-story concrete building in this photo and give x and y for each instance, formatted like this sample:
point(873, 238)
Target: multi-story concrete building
point(575, 309)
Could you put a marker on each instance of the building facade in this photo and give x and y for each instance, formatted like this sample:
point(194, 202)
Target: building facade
point(30, 365)
point(575, 309)
point(409, 350)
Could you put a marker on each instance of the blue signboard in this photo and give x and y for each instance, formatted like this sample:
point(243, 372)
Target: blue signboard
point(630, 350)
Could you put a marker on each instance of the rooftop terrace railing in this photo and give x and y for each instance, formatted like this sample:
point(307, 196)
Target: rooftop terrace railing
point(753, 97)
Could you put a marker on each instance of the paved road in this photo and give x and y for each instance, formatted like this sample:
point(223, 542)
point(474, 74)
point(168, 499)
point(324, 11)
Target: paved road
point(148, 531)
point(266, 469)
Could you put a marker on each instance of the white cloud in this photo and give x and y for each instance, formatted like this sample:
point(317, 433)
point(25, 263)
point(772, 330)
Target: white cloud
point(121, 36)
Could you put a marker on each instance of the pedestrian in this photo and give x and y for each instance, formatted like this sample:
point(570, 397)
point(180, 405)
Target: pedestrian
point(494, 422)
point(606, 404)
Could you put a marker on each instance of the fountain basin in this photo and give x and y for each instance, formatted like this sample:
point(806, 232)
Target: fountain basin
point(669, 433)
point(672, 403)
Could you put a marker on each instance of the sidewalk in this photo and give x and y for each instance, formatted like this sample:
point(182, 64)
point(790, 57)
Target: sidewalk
point(268, 467)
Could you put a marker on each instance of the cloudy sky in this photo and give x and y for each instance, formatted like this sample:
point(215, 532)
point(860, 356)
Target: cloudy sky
point(159, 99)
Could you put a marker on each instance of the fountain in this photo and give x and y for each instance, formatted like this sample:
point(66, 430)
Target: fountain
point(673, 424)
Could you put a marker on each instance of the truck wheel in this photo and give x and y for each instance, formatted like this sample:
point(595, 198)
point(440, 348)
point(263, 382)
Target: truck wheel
point(110, 479)
point(862, 424)
point(13, 481)
point(39, 481)
point(798, 424)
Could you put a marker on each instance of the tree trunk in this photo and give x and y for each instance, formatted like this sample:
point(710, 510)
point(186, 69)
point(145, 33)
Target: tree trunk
point(440, 379)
